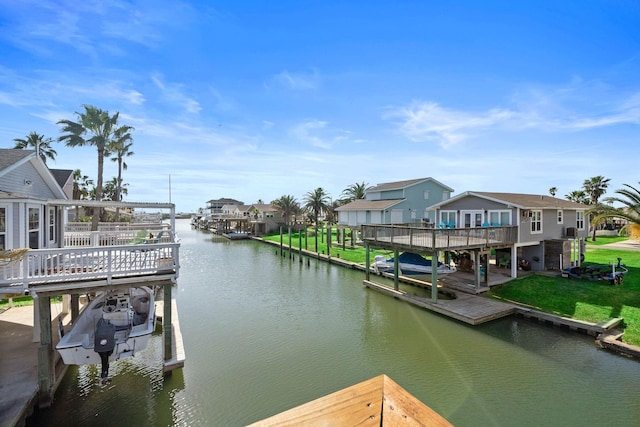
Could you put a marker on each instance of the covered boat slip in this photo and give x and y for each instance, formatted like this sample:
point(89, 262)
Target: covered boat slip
point(432, 241)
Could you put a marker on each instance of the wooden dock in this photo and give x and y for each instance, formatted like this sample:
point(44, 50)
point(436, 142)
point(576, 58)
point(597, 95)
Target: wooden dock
point(177, 347)
point(467, 308)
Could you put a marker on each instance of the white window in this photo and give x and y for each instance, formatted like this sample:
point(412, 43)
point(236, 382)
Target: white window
point(499, 218)
point(559, 216)
point(52, 224)
point(426, 195)
point(3, 228)
point(580, 220)
point(536, 222)
point(447, 219)
point(445, 195)
point(34, 227)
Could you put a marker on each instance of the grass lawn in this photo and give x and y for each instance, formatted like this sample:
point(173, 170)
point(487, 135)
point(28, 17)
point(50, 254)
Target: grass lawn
point(355, 253)
point(592, 301)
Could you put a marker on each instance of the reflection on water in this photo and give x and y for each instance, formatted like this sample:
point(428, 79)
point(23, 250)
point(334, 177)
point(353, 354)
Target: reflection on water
point(263, 334)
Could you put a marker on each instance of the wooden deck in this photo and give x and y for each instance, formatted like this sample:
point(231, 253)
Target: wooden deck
point(471, 309)
point(377, 402)
point(420, 239)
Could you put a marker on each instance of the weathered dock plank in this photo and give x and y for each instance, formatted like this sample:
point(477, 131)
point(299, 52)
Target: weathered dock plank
point(467, 308)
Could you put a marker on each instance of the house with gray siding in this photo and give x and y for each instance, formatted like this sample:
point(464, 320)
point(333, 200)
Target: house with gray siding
point(400, 202)
point(550, 231)
point(29, 216)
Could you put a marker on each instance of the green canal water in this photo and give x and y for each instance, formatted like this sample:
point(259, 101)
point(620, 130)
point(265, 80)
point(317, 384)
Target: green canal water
point(263, 334)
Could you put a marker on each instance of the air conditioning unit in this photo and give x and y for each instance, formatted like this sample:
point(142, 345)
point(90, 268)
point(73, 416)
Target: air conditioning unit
point(571, 232)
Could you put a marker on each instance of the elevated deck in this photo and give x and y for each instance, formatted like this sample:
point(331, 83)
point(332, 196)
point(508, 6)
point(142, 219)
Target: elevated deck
point(422, 239)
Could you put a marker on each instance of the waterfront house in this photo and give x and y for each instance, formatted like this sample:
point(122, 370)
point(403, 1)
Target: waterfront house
point(399, 202)
point(40, 257)
point(265, 218)
point(29, 216)
point(550, 231)
point(216, 206)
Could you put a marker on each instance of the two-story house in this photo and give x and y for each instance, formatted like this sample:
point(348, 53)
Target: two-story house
point(550, 230)
point(265, 218)
point(399, 202)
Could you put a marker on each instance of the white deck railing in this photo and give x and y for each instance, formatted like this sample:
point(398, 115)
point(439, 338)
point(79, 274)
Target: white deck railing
point(46, 266)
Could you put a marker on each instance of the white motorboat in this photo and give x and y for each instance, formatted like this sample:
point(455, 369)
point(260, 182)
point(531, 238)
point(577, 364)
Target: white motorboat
point(115, 325)
point(409, 264)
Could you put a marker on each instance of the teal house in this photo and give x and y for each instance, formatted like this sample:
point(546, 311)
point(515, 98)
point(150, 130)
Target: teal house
point(400, 202)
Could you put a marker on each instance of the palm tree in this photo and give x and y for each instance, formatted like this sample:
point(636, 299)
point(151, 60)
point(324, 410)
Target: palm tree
point(553, 191)
point(120, 148)
point(289, 207)
point(630, 199)
point(578, 196)
point(354, 192)
point(39, 143)
point(94, 127)
point(316, 202)
point(595, 187)
point(81, 188)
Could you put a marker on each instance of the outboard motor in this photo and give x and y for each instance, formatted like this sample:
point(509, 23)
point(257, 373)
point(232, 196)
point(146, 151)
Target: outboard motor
point(105, 342)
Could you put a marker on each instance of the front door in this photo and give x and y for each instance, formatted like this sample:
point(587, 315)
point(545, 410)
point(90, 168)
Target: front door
point(471, 219)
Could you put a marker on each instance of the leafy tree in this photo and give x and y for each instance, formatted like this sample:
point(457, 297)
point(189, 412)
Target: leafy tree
point(113, 192)
point(81, 188)
point(39, 143)
point(120, 147)
point(95, 127)
point(578, 196)
point(595, 187)
point(289, 207)
point(354, 192)
point(629, 198)
point(553, 191)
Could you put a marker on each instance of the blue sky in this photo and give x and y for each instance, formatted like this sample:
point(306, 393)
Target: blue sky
point(254, 100)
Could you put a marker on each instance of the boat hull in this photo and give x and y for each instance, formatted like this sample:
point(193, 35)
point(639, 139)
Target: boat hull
point(134, 322)
point(417, 265)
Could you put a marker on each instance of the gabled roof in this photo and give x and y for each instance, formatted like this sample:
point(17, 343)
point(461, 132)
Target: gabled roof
point(264, 207)
point(61, 175)
point(12, 157)
point(226, 201)
point(518, 200)
point(369, 205)
point(399, 185)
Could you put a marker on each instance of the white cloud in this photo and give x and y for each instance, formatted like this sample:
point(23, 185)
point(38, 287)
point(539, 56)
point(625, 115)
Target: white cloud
point(576, 107)
point(174, 94)
point(296, 81)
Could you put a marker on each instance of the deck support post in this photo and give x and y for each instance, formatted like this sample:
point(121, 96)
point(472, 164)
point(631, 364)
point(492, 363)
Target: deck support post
point(396, 270)
point(476, 270)
point(45, 354)
point(300, 245)
point(167, 328)
point(434, 277)
point(367, 262)
point(514, 262)
point(75, 307)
